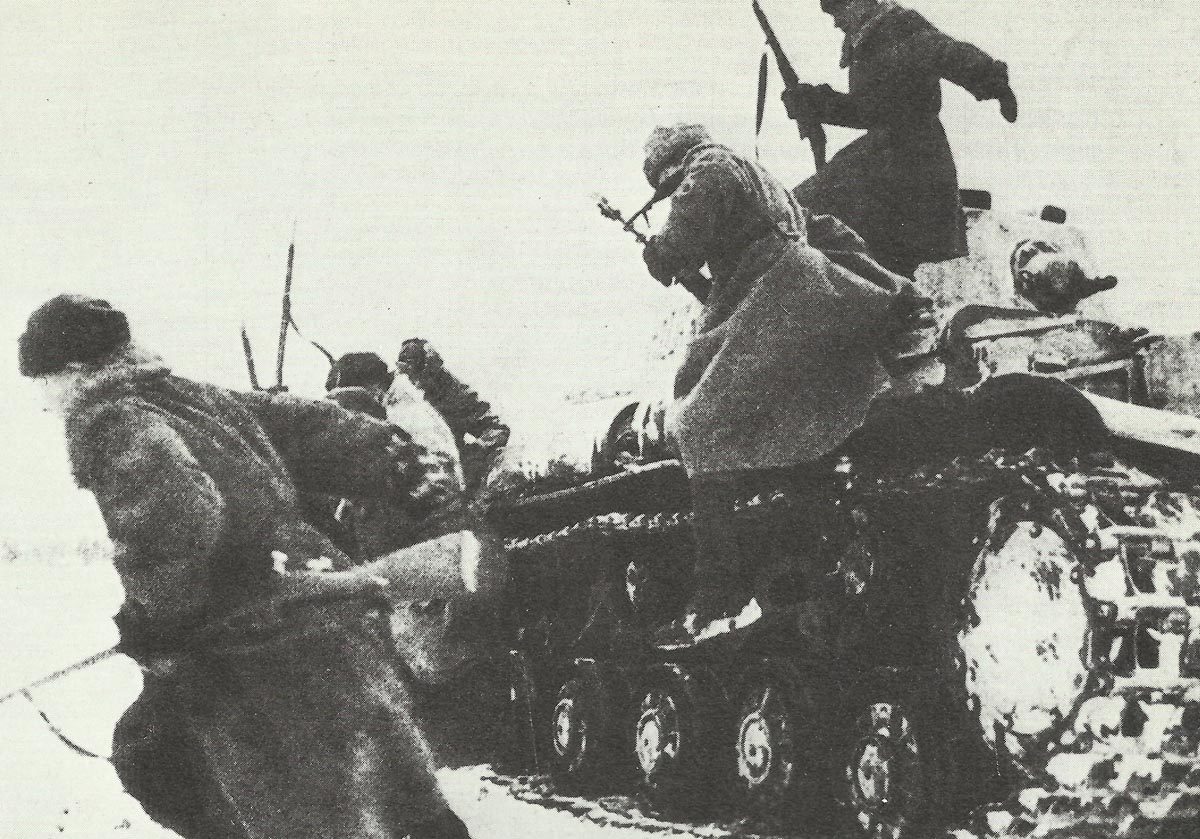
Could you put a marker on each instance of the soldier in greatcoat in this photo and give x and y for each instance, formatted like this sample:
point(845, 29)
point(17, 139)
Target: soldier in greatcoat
point(897, 185)
point(786, 361)
point(271, 707)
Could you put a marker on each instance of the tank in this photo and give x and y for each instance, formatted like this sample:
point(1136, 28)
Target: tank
point(984, 608)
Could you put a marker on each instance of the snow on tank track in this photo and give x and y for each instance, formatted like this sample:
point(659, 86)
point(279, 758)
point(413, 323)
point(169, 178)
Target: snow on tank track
point(623, 812)
point(1122, 758)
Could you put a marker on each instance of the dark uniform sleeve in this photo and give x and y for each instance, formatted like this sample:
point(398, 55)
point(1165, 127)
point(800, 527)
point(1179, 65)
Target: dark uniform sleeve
point(163, 511)
point(836, 108)
point(337, 452)
point(465, 412)
point(961, 63)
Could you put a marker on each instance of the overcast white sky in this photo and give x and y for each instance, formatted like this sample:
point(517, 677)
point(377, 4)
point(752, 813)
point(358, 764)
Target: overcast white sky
point(437, 160)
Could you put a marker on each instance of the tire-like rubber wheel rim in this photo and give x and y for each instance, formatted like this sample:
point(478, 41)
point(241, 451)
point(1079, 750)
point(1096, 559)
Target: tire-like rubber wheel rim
point(659, 739)
point(884, 774)
point(766, 750)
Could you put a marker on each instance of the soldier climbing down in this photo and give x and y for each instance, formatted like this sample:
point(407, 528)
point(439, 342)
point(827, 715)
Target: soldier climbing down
point(786, 360)
point(897, 186)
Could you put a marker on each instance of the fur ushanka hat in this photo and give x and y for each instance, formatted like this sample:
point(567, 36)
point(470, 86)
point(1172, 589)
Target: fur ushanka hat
point(67, 328)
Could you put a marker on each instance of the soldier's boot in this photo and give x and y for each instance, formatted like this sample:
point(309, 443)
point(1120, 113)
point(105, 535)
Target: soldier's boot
point(721, 601)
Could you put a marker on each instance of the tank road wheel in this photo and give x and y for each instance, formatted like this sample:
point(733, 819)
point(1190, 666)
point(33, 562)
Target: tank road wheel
point(584, 734)
point(781, 760)
point(886, 774)
point(677, 739)
point(1024, 612)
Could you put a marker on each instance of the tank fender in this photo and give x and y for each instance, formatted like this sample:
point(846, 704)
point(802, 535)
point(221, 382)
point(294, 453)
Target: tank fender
point(1022, 411)
point(1162, 429)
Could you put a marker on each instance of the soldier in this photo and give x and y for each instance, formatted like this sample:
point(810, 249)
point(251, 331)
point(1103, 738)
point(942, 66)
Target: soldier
point(361, 381)
point(443, 643)
point(785, 362)
point(480, 434)
point(331, 514)
point(271, 705)
point(897, 186)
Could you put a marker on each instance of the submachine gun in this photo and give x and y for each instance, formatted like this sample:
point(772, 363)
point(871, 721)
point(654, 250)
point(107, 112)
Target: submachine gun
point(695, 282)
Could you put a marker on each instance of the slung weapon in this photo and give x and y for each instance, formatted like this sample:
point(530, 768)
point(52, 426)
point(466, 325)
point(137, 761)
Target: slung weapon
point(248, 351)
point(285, 318)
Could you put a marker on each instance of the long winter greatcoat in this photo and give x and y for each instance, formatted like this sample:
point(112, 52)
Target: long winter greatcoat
point(897, 185)
point(288, 720)
point(785, 364)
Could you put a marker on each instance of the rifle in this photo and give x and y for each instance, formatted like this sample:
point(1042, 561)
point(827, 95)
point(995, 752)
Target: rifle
point(695, 282)
point(285, 318)
point(286, 322)
point(249, 353)
point(809, 126)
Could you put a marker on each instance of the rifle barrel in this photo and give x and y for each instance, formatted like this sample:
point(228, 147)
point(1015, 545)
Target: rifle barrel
point(809, 128)
point(790, 78)
point(248, 351)
point(285, 317)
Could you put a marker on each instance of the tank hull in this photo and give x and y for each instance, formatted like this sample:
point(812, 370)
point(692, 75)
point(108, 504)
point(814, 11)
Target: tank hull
point(982, 612)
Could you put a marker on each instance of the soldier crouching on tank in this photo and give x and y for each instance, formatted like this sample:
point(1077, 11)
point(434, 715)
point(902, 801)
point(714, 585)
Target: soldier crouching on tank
point(897, 186)
point(786, 360)
point(480, 434)
point(271, 705)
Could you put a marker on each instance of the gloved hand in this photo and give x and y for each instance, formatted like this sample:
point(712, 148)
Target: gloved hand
point(1008, 104)
point(659, 267)
point(143, 641)
point(800, 102)
point(912, 310)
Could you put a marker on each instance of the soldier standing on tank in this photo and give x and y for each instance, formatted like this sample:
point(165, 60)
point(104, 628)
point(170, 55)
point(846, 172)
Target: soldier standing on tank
point(271, 704)
point(897, 186)
point(785, 363)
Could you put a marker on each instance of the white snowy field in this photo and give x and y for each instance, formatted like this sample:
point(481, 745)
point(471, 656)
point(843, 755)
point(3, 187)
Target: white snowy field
point(56, 611)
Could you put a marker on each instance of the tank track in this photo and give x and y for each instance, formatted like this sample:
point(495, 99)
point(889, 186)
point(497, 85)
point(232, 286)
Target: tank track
point(624, 812)
point(1126, 761)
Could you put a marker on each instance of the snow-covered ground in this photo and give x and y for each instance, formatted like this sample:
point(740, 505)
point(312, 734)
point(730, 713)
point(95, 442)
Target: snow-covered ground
point(56, 611)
